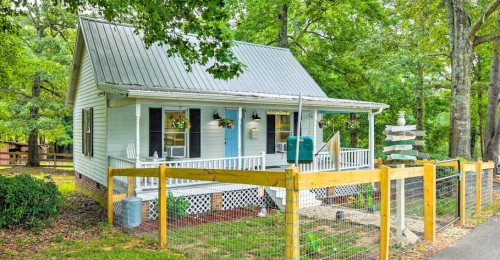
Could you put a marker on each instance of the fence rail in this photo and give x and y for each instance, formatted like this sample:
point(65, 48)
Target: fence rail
point(295, 183)
point(13, 159)
point(350, 158)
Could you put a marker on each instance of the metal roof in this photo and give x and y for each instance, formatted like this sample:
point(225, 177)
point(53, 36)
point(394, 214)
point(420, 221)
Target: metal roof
point(119, 57)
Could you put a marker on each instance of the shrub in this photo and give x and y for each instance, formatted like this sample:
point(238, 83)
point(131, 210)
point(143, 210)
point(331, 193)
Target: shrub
point(28, 201)
point(176, 207)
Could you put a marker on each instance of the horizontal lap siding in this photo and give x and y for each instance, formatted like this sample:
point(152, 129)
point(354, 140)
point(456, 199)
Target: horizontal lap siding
point(87, 96)
point(121, 130)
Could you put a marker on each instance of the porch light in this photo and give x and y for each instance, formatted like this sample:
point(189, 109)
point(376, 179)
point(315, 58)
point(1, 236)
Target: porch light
point(216, 115)
point(255, 116)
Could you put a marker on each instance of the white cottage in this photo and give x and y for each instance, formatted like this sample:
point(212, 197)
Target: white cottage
point(125, 97)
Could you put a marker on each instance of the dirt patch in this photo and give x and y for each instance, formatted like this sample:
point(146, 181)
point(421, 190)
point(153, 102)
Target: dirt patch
point(79, 219)
point(28, 170)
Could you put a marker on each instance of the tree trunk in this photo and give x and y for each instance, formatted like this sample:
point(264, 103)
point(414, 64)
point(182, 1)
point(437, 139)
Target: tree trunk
point(353, 133)
point(492, 129)
point(420, 106)
point(481, 121)
point(461, 55)
point(33, 157)
point(283, 29)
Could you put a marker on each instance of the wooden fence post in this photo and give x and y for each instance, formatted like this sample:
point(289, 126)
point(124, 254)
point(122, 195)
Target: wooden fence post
point(461, 200)
point(130, 186)
point(162, 206)
point(385, 211)
point(291, 216)
point(110, 195)
point(479, 172)
point(430, 202)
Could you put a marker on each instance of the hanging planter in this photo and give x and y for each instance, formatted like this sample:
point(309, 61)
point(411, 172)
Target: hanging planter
point(226, 123)
point(352, 124)
point(323, 124)
point(181, 123)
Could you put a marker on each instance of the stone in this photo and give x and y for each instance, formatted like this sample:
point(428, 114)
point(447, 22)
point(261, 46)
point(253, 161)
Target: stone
point(411, 238)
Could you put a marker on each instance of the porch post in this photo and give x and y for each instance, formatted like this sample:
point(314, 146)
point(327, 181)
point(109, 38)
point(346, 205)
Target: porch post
point(240, 129)
point(371, 140)
point(137, 135)
point(315, 161)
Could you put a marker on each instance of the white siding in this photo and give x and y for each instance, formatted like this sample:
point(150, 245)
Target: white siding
point(121, 131)
point(86, 97)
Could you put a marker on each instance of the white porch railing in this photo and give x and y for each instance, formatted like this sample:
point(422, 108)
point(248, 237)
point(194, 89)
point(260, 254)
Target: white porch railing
point(350, 158)
point(142, 183)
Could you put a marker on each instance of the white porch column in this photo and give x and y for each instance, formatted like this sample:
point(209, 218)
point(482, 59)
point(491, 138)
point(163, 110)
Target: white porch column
point(315, 161)
point(240, 129)
point(137, 135)
point(371, 140)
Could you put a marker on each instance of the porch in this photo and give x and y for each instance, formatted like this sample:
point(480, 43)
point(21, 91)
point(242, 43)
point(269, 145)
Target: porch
point(351, 159)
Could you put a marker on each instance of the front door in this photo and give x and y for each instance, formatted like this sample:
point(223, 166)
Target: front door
point(231, 148)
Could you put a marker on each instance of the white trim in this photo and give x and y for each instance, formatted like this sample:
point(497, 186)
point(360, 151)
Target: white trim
point(269, 99)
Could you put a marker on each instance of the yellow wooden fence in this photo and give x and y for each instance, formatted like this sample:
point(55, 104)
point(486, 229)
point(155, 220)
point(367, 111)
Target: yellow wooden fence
point(293, 181)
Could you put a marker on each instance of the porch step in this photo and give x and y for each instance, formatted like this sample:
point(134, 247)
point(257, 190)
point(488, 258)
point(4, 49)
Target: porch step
point(306, 197)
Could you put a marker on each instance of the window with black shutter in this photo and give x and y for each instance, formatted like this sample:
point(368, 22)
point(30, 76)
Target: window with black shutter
point(155, 131)
point(88, 131)
point(195, 133)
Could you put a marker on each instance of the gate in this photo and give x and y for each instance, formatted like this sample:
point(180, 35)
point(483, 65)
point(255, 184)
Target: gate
point(448, 177)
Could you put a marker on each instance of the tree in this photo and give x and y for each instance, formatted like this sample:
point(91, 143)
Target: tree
point(492, 129)
point(463, 37)
point(36, 94)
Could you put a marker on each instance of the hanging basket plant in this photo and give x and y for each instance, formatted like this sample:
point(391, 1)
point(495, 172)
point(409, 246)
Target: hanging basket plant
point(324, 124)
point(226, 123)
point(352, 124)
point(181, 123)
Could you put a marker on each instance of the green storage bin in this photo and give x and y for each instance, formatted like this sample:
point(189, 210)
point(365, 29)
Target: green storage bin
point(306, 148)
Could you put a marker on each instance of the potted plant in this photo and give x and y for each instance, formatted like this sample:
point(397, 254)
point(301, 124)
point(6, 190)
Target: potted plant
point(226, 123)
point(323, 124)
point(181, 123)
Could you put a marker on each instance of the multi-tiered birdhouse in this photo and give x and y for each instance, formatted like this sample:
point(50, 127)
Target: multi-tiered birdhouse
point(401, 139)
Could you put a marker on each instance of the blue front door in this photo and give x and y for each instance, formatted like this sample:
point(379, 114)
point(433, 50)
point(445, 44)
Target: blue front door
point(231, 148)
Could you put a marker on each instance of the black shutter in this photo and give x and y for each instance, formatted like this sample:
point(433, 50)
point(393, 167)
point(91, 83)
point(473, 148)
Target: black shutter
point(83, 131)
point(155, 128)
point(91, 143)
point(271, 134)
point(295, 123)
point(195, 133)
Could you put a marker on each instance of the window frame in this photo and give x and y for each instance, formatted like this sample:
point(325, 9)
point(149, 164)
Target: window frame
point(163, 132)
point(88, 131)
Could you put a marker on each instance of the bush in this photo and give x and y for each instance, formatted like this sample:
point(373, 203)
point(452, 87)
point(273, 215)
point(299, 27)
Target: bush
point(176, 207)
point(28, 201)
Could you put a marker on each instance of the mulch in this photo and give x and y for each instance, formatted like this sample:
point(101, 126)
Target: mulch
point(79, 219)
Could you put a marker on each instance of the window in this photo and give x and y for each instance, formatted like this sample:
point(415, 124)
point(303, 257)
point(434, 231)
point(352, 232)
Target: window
point(174, 140)
point(282, 128)
point(278, 130)
point(88, 131)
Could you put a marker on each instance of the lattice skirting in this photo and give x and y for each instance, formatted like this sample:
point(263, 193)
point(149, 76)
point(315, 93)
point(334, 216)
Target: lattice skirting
point(319, 192)
point(230, 199)
point(346, 190)
point(243, 198)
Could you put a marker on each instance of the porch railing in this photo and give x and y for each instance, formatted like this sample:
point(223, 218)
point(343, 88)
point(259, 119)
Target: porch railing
point(144, 183)
point(350, 158)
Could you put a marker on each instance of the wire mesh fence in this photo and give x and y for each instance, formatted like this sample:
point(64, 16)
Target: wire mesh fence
point(226, 220)
point(447, 197)
point(486, 187)
point(342, 225)
point(470, 192)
